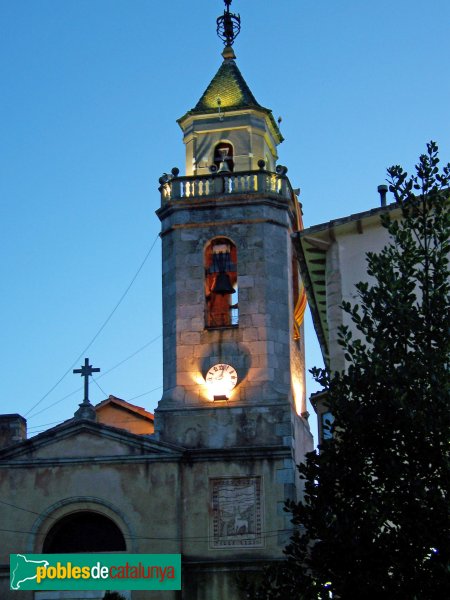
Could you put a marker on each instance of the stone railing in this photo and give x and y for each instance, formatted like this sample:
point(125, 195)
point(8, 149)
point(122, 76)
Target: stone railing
point(226, 183)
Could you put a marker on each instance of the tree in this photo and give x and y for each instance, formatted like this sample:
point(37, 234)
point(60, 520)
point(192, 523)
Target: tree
point(374, 521)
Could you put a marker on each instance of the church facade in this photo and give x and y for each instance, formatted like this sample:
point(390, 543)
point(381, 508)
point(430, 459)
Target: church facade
point(210, 481)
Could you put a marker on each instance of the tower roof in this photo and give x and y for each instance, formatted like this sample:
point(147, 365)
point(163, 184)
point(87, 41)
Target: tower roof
point(228, 86)
point(228, 91)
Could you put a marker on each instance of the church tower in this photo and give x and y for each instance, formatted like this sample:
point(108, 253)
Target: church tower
point(233, 349)
point(232, 298)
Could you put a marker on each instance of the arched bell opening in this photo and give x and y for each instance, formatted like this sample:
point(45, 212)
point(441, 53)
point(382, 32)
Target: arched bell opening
point(221, 286)
point(223, 157)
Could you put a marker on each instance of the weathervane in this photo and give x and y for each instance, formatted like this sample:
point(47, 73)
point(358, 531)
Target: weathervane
point(228, 25)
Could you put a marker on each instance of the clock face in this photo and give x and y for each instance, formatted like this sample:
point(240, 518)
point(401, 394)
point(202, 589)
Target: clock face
point(221, 379)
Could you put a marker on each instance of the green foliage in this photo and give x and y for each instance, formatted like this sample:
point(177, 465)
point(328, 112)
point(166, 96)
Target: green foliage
point(374, 521)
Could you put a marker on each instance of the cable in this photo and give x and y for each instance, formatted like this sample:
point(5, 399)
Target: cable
point(101, 422)
point(99, 387)
point(43, 425)
point(100, 376)
point(199, 539)
point(99, 331)
point(145, 393)
point(57, 402)
point(137, 537)
point(41, 428)
point(37, 429)
point(131, 356)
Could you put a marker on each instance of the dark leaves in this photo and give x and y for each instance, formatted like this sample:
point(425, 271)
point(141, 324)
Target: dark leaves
point(374, 521)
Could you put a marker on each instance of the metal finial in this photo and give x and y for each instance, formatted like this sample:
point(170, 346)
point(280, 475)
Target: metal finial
point(228, 25)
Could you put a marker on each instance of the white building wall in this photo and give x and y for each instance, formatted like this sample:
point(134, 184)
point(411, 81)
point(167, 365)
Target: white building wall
point(346, 266)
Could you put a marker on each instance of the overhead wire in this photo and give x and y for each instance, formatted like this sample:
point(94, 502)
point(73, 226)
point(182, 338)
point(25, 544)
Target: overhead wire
point(130, 356)
point(199, 538)
point(56, 402)
point(99, 387)
point(152, 341)
point(43, 425)
point(100, 329)
point(35, 429)
point(146, 393)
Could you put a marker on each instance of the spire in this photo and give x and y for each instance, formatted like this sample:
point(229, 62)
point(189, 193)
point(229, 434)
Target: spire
point(228, 28)
point(228, 115)
point(228, 90)
point(229, 85)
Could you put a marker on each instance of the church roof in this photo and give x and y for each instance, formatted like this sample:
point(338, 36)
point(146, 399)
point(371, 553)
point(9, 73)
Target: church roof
point(119, 413)
point(132, 408)
point(229, 86)
point(85, 439)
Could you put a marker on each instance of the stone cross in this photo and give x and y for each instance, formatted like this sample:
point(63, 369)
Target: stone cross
point(86, 371)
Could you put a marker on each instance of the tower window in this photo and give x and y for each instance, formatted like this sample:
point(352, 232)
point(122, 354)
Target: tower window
point(223, 156)
point(221, 289)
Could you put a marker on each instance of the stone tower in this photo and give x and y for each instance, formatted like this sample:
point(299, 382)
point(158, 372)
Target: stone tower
point(233, 340)
point(233, 350)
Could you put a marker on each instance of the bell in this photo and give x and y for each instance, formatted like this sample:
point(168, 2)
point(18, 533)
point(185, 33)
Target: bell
point(223, 166)
point(223, 285)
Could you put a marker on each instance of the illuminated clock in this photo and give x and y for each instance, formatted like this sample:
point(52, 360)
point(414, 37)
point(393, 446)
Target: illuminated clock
point(221, 379)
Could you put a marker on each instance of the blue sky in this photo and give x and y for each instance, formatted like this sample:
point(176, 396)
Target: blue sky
point(91, 90)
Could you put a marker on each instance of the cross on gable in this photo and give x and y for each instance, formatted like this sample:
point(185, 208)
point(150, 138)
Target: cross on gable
point(86, 371)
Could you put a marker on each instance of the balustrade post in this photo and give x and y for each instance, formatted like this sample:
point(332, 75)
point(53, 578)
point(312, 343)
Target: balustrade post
point(219, 185)
point(175, 188)
point(260, 181)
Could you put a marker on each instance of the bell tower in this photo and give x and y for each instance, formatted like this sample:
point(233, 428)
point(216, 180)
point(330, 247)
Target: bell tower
point(232, 299)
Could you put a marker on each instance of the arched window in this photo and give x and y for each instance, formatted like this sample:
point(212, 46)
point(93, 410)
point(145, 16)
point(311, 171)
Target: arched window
point(221, 290)
point(223, 153)
point(84, 531)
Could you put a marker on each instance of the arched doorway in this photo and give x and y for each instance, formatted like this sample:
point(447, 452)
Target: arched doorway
point(84, 531)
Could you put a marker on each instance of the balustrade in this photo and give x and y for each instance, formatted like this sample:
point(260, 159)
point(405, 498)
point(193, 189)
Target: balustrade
point(204, 186)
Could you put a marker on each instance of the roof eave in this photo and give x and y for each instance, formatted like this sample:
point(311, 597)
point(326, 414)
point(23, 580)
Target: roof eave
point(312, 300)
point(235, 109)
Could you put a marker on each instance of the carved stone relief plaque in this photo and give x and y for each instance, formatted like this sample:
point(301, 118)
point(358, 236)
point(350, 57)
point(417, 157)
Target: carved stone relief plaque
point(236, 512)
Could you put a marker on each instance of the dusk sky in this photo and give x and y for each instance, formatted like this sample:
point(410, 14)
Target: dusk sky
point(91, 90)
